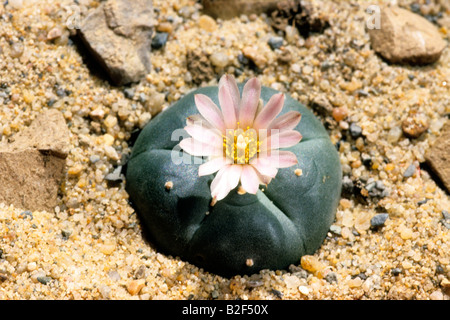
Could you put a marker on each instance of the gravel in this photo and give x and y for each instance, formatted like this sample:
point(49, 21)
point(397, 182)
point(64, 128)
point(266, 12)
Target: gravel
point(106, 246)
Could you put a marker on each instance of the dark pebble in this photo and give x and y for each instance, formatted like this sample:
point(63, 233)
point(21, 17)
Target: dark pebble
point(446, 214)
point(243, 59)
point(129, 93)
point(26, 214)
point(421, 202)
point(51, 102)
point(277, 293)
point(44, 280)
point(362, 276)
point(326, 65)
point(347, 185)
point(215, 294)
point(362, 93)
point(159, 40)
point(66, 234)
point(378, 220)
point(409, 172)
point(446, 223)
point(366, 160)
point(440, 269)
point(331, 277)
point(355, 130)
point(396, 271)
point(275, 42)
point(415, 7)
point(1, 254)
point(60, 92)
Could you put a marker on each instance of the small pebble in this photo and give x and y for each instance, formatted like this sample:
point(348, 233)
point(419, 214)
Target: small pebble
point(394, 134)
point(44, 280)
point(298, 172)
point(164, 27)
point(303, 290)
point(311, 264)
point(219, 59)
point(275, 42)
point(378, 220)
point(331, 277)
point(335, 229)
point(396, 271)
point(17, 49)
point(54, 33)
point(355, 130)
point(135, 286)
point(75, 170)
point(207, 23)
point(159, 40)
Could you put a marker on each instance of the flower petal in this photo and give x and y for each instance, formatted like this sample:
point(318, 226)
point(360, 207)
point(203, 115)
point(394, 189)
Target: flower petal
point(287, 121)
point(197, 148)
point(219, 185)
point(280, 139)
point(269, 112)
point(233, 176)
point(207, 136)
point(280, 158)
point(249, 179)
point(226, 180)
point(263, 166)
point(209, 111)
point(212, 166)
point(229, 99)
point(249, 103)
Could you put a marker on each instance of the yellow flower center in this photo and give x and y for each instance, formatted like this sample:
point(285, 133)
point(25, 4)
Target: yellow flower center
point(241, 146)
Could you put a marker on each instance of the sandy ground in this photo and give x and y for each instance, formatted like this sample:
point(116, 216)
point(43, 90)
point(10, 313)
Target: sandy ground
point(92, 246)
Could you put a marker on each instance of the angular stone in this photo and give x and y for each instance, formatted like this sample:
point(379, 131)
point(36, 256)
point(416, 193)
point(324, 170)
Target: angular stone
point(32, 164)
point(406, 38)
point(118, 35)
point(438, 156)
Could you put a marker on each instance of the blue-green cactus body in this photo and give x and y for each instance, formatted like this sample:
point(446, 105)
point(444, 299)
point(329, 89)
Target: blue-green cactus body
point(240, 234)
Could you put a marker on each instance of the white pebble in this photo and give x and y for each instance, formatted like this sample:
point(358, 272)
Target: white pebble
point(219, 59)
point(303, 290)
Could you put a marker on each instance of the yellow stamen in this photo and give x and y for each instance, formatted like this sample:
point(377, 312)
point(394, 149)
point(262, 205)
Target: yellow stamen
point(241, 146)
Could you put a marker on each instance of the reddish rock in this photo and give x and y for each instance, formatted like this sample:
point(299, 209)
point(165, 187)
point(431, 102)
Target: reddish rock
point(438, 156)
point(406, 38)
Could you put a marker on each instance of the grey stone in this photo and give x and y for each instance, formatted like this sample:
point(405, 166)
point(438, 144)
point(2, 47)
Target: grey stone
point(409, 172)
point(118, 35)
point(275, 42)
point(378, 220)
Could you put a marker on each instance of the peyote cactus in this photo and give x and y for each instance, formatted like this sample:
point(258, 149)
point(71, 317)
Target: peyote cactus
point(237, 231)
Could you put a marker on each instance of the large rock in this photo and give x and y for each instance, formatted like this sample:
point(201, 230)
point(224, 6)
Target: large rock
point(406, 38)
point(118, 35)
point(438, 157)
point(32, 164)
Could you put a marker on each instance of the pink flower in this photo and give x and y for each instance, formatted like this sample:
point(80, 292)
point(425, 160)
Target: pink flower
point(241, 140)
